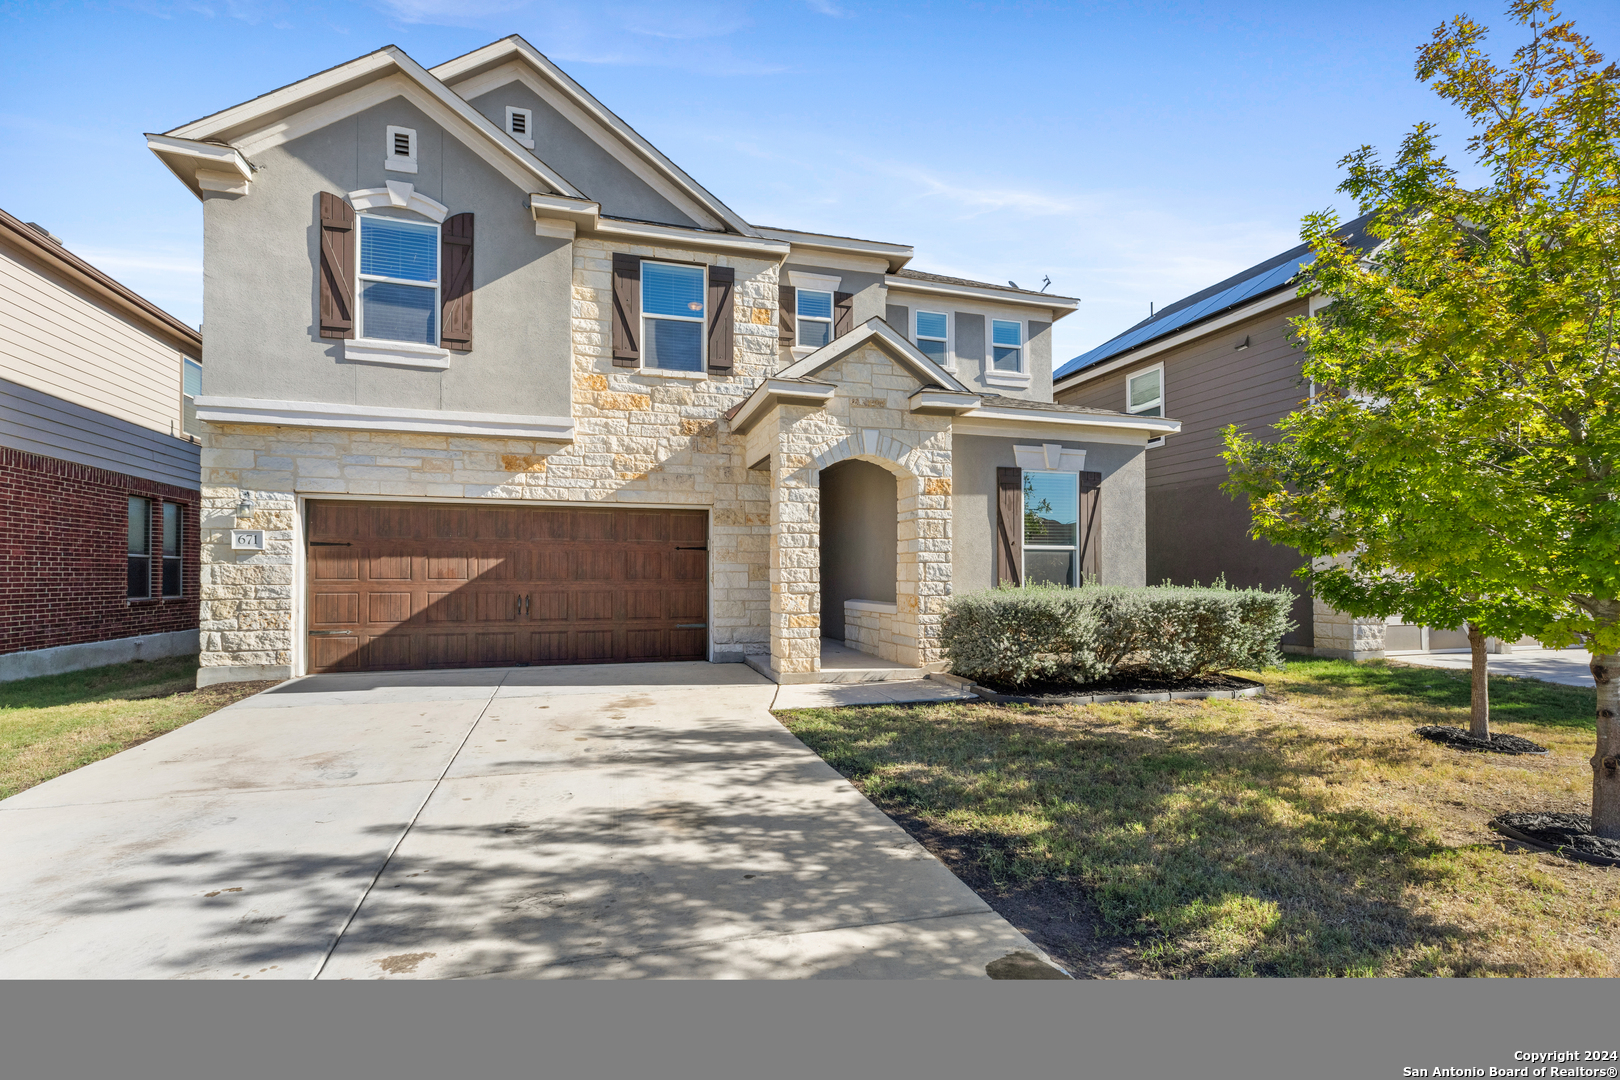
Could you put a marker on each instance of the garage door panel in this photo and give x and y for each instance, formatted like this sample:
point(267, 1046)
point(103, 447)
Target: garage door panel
point(335, 609)
point(444, 650)
point(445, 607)
point(384, 565)
point(595, 564)
point(454, 586)
point(387, 608)
point(334, 564)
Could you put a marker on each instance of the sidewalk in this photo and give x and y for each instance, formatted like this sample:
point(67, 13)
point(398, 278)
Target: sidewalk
point(1571, 667)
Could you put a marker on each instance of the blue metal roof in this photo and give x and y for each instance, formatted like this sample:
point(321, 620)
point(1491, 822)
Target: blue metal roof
point(1256, 281)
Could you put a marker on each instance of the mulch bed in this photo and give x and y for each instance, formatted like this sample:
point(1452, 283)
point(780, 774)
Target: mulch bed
point(1458, 739)
point(1123, 682)
point(1567, 834)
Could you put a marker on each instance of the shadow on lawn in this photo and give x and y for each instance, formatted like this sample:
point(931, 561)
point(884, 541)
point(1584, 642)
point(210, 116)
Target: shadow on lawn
point(1212, 852)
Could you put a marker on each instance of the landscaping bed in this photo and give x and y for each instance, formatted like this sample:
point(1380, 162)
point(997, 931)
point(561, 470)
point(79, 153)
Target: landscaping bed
point(1458, 739)
point(1125, 684)
point(1305, 833)
point(1566, 834)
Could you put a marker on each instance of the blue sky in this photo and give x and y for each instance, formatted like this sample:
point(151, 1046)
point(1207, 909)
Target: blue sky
point(1133, 152)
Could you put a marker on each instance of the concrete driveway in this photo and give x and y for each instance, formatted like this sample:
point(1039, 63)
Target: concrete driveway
point(631, 821)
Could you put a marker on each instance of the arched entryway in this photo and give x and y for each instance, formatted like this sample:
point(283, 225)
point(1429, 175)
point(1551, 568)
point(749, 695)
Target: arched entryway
point(859, 539)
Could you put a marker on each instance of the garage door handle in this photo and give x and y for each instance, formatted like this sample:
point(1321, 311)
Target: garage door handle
point(691, 625)
point(679, 548)
point(329, 633)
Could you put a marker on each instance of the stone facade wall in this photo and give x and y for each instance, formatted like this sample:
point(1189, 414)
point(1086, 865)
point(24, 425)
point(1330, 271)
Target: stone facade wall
point(871, 630)
point(639, 439)
point(1346, 637)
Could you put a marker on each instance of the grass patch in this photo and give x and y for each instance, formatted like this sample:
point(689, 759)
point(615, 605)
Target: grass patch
point(57, 723)
point(1308, 833)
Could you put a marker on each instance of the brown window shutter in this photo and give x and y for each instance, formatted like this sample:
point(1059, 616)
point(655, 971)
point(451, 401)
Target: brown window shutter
point(456, 271)
point(626, 310)
point(1009, 526)
point(1091, 526)
point(843, 313)
point(788, 304)
point(722, 317)
point(337, 267)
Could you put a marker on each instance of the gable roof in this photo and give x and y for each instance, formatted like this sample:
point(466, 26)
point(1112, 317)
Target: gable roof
point(308, 104)
point(1260, 280)
point(466, 69)
point(877, 332)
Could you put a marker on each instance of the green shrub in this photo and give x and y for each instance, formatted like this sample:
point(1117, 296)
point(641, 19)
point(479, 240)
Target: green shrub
point(1016, 636)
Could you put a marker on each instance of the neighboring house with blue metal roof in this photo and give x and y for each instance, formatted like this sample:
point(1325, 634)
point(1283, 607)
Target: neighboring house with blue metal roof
point(1224, 355)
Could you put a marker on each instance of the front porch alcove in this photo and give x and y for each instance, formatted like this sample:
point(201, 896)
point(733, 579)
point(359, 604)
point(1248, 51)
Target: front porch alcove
point(859, 557)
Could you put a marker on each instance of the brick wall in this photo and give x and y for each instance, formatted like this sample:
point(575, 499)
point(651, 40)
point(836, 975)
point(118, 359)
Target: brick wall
point(64, 535)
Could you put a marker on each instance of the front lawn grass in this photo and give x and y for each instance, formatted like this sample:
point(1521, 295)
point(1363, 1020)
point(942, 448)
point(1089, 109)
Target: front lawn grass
point(1307, 833)
point(57, 723)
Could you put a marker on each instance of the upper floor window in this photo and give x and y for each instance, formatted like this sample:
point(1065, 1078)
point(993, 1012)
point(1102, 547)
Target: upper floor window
point(1007, 345)
point(1144, 392)
point(672, 316)
point(172, 562)
point(140, 548)
point(190, 390)
point(399, 280)
point(1051, 527)
point(520, 125)
point(815, 317)
point(401, 149)
point(933, 336)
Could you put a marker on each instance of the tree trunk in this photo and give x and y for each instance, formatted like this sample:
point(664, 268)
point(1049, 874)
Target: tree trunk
point(1606, 762)
point(1479, 700)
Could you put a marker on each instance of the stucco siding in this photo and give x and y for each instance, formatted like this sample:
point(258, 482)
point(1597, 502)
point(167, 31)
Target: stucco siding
point(580, 159)
point(973, 508)
point(261, 288)
point(55, 340)
point(970, 337)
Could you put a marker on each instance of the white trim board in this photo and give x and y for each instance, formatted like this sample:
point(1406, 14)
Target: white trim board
point(1191, 333)
point(1055, 306)
point(323, 414)
point(875, 329)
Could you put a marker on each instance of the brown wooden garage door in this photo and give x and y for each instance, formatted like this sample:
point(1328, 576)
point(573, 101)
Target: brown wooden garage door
point(396, 586)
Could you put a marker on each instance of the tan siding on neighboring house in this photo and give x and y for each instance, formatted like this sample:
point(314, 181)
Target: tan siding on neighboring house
point(54, 340)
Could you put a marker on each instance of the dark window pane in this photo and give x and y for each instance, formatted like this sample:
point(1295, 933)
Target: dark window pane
point(1008, 359)
point(1051, 509)
point(140, 576)
point(171, 528)
point(814, 333)
point(676, 346)
point(171, 577)
point(1049, 567)
point(140, 527)
point(934, 350)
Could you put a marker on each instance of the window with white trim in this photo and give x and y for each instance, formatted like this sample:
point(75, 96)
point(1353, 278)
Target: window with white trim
point(1144, 392)
point(401, 149)
point(1051, 528)
point(190, 391)
point(814, 311)
point(399, 279)
point(1007, 345)
point(140, 548)
point(672, 316)
point(934, 337)
point(520, 125)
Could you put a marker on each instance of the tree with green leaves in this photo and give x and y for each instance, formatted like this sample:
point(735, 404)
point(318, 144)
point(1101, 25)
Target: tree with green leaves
point(1468, 439)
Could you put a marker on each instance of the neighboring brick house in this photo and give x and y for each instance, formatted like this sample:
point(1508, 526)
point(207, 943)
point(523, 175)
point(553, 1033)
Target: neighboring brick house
point(98, 472)
point(1226, 355)
point(497, 383)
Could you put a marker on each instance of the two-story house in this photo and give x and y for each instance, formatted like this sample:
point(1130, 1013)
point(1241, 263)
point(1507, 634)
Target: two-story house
point(1227, 355)
point(99, 465)
point(495, 382)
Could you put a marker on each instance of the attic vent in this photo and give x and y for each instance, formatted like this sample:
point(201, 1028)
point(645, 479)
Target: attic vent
point(520, 125)
point(401, 150)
